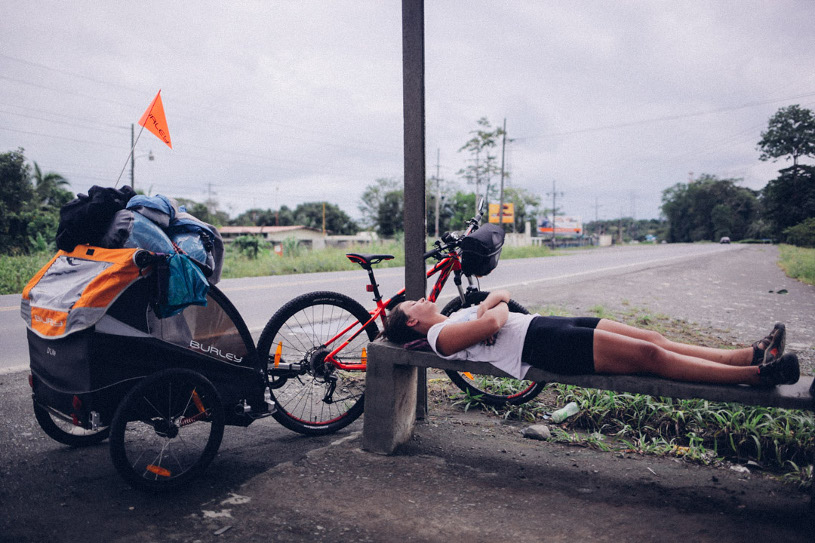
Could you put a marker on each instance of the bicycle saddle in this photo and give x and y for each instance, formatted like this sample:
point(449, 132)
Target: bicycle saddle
point(366, 260)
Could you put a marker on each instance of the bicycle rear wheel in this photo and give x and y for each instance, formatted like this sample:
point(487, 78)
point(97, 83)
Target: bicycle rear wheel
point(313, 397)
point(167, 430)
point(488, 389)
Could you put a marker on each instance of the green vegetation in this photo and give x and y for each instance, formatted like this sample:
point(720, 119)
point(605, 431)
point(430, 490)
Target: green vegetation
point(295, 259)
point(509, 253)
point(802, 234)
point(15, 271)
point(798, 262)
point(779, 440)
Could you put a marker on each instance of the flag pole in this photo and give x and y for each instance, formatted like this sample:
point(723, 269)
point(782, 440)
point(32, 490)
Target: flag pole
point(130, 156)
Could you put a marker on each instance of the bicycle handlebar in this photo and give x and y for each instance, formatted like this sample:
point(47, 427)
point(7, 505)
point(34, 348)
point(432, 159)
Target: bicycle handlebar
point(451, 240)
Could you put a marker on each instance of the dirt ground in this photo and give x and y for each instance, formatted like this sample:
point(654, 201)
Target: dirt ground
point(470, 477)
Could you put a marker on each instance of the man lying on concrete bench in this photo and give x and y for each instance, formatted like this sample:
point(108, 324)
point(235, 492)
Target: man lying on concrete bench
point(514, 342)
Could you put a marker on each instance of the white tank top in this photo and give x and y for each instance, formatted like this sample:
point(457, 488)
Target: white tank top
point(504, 354)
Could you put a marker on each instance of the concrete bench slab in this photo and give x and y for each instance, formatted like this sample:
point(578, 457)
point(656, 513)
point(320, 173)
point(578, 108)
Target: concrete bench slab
point(390, 390)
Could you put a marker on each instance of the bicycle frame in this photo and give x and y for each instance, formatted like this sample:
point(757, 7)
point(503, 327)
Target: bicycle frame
point(449, 264)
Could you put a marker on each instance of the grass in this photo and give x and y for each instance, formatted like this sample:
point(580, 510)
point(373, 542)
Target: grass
point(508, 253)
point(15, 271)
point(781, 441)
point(298, 260)
point(798, 263)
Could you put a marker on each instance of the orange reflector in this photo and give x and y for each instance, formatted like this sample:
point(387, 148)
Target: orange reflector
point(468, 375)
point(364, 357)
point(197, 401)
point(158, 470)
point(277, 353)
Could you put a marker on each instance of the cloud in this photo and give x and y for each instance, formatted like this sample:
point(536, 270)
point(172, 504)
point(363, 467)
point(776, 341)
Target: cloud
point(272, 103)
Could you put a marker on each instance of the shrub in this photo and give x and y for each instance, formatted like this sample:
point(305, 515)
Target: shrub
point(802, 234)
point(292, 247)
point(249, 245)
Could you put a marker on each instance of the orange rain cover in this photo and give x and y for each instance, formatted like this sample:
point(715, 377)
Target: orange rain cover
point(73, 291)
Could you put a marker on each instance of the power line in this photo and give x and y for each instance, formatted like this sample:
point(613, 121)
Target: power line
point(664, 118)
point(68, 72)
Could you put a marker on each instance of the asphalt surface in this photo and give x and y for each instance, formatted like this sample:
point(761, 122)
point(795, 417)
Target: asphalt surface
point(464, 476)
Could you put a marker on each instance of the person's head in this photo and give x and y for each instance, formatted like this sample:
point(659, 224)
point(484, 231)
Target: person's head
point(408, 321)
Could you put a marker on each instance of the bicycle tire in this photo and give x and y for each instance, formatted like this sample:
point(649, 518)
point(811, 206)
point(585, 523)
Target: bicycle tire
point(490, 390)
point(167, 430)
point(304, 400)
point(65, 432)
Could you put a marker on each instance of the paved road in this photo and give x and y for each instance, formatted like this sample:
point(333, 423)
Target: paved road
point(738, 294)
point(463, 475)
point(257, 298)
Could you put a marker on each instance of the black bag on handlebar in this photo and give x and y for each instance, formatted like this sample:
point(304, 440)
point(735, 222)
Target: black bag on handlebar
point(481, 250)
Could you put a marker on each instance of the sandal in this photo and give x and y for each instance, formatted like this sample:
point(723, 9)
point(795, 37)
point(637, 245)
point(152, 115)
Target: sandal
point(773, 345)
point(779, 371)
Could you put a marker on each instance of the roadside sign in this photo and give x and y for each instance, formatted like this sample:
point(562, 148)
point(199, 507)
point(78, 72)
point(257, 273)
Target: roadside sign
point(565, 225)
point(509, 213)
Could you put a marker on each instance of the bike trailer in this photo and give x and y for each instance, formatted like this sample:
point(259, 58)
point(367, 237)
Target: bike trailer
point(481, 250)
point(94, 330)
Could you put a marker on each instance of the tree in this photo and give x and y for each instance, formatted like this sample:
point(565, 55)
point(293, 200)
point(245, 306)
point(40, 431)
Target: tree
point(527, 206)
point(790, 134)
point(336, 221)
point(49, 188)
point(708, 209)
point(462, 207)
point(373, 197)
point(205, 212)
point(789, 199)
point(390, 216)
point(16, 203)
point(255, 217)
point(482, 164)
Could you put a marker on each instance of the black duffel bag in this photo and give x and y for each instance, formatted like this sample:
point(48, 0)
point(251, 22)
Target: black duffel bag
point(481, 250)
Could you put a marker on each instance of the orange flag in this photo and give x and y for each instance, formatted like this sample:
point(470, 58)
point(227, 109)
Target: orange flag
point(155, 121)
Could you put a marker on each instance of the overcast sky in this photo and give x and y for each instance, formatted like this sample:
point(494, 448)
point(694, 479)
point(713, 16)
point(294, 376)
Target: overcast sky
point(279, 103)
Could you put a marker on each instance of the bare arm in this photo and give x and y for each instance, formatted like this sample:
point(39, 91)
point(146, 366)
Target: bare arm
point(458, 336)
point(493, 299)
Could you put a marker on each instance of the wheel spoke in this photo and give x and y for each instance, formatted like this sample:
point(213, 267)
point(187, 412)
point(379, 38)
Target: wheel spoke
point(305, 328)
point(162, 453)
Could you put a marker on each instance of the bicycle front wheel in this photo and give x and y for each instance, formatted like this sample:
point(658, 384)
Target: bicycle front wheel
point(312, 396)
point(488, 389)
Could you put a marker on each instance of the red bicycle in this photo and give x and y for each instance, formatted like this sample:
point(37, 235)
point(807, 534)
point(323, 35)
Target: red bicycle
point(316, 345)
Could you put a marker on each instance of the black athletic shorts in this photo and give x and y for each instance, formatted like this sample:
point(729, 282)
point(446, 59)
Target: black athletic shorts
point(561, 344)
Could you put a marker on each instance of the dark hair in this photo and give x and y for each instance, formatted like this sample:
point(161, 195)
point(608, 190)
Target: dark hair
point(396, 327)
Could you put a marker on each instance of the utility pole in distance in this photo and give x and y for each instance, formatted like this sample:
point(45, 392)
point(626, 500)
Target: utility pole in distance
point(501, 199)
point(554, 194)
point(438, 190)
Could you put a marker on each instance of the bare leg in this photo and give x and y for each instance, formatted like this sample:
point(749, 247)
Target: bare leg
point(620, 354)
point(730, 357)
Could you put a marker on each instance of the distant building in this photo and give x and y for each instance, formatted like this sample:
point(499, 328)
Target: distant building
point(311, 237)
point(305, 235)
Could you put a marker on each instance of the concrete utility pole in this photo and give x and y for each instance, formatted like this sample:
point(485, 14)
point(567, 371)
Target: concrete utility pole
point(501, 198)
point(132, 156)
point(413, 112)
point(597, 207)
point(438, 189)
point(554, 194)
